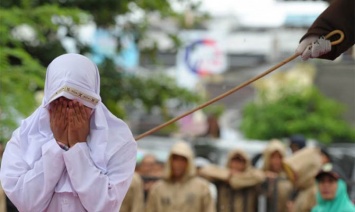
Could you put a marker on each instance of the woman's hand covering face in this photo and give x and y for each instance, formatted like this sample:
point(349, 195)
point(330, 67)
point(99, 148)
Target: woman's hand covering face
point(79, 122)
point(69, 121)
point(59, 119)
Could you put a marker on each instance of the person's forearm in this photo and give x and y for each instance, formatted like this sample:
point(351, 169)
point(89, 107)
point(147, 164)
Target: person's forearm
point(338, 16)
point(99, 191)
point(31, 188)
point(250, 178)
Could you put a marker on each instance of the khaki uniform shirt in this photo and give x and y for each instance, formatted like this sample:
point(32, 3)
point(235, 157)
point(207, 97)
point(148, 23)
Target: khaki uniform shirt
point(190, 195)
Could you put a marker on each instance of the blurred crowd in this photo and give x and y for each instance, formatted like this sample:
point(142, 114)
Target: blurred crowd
point(274, 181)
point(305, 180)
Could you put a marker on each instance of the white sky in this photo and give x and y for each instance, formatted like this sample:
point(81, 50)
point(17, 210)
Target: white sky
point(216, 7)
point(259, 12)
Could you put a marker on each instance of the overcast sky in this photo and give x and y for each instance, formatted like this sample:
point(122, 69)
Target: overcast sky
point(260, 12)
point(231, 6)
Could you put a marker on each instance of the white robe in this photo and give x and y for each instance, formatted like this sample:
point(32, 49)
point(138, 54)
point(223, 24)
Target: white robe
point(37, 175)
point(34, 189)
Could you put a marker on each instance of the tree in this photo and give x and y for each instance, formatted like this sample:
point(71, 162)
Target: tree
point(295, 109)
point(31, 36)
point(28, 42)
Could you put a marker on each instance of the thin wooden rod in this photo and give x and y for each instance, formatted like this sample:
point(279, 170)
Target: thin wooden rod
point(218, 97)
point(237, 87)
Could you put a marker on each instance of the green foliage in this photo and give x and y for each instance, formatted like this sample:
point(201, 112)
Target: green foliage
point(104, 12)
point(17, 87)
point(215, 109)
point(35, 31)
point(309, 113)
point(30, 40)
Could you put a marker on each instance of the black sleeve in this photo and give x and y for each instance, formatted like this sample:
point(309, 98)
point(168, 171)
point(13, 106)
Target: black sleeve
point(339, 15)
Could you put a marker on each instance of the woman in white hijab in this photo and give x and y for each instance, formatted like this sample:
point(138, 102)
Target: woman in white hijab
point(71, 154)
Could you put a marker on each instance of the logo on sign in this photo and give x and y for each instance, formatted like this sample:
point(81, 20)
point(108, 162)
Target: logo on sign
point(204, 57)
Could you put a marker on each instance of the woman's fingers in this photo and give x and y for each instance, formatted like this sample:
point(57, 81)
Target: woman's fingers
point(64, 109)
point(79, 126)
point(77, 111)
point(61, 112)
point(71, 113)
point(83, 113)
point(58, 119)
point(53, 108)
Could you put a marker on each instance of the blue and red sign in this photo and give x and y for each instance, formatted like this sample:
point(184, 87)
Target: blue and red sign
point(204, 57)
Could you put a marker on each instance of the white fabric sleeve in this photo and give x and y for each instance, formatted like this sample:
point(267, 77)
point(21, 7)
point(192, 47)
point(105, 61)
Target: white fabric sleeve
point(31, 188)
point(99, 191)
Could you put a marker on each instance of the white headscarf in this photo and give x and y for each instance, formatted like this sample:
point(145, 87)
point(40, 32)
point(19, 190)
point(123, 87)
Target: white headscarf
point(74, 77)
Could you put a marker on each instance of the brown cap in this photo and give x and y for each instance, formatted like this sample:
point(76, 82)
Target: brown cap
point(328, 169)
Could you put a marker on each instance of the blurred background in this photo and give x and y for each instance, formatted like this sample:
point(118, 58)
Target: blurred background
point(159, 59)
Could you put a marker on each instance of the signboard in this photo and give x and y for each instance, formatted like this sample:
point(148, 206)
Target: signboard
point(204, 57)
point(201, 56)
